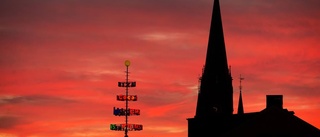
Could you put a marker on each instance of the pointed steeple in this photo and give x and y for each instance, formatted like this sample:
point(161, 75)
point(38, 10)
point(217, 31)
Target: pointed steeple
point(215, 95)
point(216, 52)
point(240, 104)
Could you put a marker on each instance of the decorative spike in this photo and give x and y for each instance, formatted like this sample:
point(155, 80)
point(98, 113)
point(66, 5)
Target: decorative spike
point(240, 104)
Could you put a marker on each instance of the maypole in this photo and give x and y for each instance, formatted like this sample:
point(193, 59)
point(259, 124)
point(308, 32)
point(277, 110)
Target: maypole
point(126, 111)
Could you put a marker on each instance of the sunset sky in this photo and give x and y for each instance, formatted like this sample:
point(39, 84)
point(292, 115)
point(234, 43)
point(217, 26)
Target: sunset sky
point(61, 61)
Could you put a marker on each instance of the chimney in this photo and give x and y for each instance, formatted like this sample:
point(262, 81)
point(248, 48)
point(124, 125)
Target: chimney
point(275, 101)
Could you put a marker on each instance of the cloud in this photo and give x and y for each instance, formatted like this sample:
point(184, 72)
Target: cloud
point(161, 36)
point(34, 100)
point(8, 122)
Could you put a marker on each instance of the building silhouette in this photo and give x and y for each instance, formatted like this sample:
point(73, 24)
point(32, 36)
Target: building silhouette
point(214, 111)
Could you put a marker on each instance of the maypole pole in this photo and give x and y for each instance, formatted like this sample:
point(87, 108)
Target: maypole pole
point(127, 64)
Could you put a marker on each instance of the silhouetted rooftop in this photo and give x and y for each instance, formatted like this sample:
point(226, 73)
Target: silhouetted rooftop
point(271, 122)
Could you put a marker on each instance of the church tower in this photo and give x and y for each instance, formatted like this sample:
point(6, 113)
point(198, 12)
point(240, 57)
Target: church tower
point(215, 95)
point(214, 111)
point(215, 98)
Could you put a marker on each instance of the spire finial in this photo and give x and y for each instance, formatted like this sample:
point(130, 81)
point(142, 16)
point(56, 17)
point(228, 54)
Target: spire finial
point(240, 105)
point(240, 79)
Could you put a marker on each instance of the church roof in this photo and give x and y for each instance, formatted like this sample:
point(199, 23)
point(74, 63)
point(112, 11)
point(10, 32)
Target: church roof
point(271, 122)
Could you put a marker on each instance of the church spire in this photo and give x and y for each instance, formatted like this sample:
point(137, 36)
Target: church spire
point(216, 52)
point(240, 104)
point(215, 95)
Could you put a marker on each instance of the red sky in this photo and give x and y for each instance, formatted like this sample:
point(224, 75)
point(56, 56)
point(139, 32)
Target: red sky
point(60, 62)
